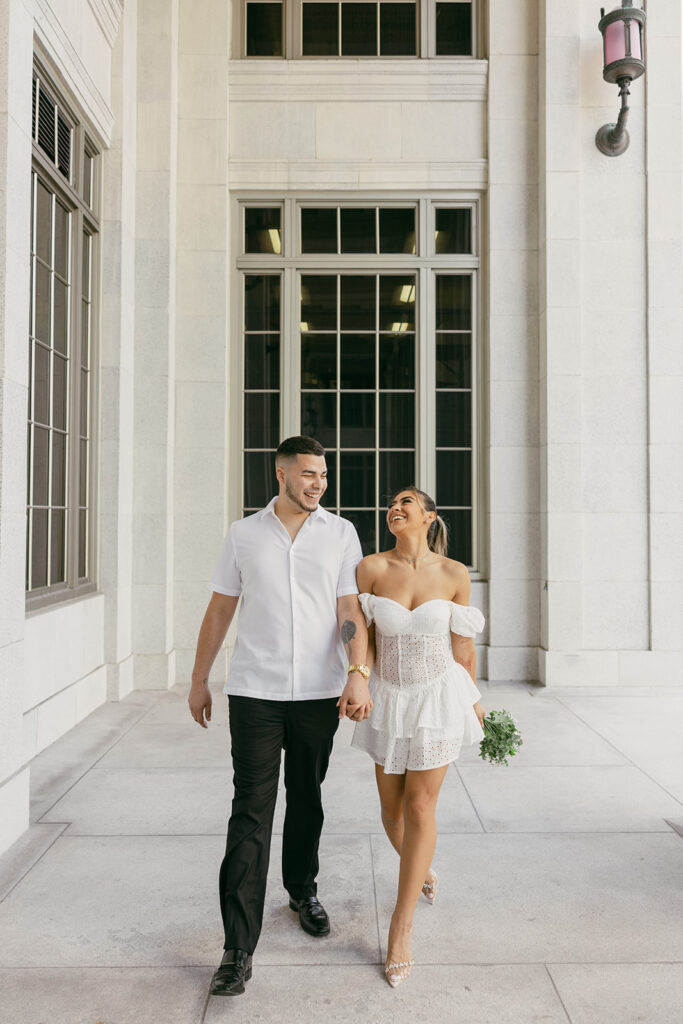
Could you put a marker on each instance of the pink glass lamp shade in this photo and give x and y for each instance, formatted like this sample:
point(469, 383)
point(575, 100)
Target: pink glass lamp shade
point(623, 42)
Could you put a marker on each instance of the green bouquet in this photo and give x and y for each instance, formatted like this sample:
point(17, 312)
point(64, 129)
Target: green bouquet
point(502, 738)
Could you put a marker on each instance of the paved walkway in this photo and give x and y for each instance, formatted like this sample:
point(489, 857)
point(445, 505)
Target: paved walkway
point(560, 878)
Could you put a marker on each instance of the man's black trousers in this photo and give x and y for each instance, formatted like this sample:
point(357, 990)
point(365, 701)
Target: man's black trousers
point(259, 731)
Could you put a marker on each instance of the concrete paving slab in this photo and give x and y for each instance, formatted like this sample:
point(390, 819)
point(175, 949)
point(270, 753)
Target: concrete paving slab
point(620, 993)
point(102, 996)
point(150, 801)
point(172, 709)
point(603, 799)
point(26, 852)
point(346, 889)
point(545, 898)
point(170, 745)
point(116, 902)
point(552, 735)
point(341, 995)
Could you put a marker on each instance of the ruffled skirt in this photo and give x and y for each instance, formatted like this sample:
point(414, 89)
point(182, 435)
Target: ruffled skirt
point(419, 727)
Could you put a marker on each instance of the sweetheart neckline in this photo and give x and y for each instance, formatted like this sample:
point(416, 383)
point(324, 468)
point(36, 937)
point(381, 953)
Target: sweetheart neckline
point(432, 600)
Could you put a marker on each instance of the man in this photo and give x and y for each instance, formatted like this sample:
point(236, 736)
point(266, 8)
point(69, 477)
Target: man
point(293, 564)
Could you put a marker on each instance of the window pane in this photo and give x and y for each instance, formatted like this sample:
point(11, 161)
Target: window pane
point(365, 527)
point(453, 478)
point(453, 303)
point(58, 546)
point(84, 402)
point(87, 255)
point(320, 31)
point(459, 523)
point(319, 418)
point(318, 303)
point(358, 226)
point(396, 420)
point(357, 368)
point(357, 421)
point(41, 384)
point(262, 229)
point(453, 419)
point(59, 391)
point(358, 297)
point(43, 223)
point(41, 441)
point(62, 241)
point(264, 30)
point(453, 360)
point(319, 361)
point(330, 495)
point(85, 334)
point(61, 314)
point(397, 361)
point(39, 548)
point(397, 303)
point(82, 543)
point(83, 474)
point(396, 470)
point(262, 302)
point(359, 32)
point(453, 29)
point(41, 318)
point(453, 231)
point(261, 421)
point(397, 227)
point(88, 164)
point(46, 124)
point(260, 483)
point(318, 230)
point(261, 361)
point(357, 479)
point(397, 31)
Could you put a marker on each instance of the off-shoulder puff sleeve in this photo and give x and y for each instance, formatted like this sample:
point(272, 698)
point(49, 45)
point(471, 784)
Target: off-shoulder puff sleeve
point(367, 603)
point(466, 620)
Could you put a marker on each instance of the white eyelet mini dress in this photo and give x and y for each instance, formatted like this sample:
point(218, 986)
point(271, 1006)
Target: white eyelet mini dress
point(423, 700)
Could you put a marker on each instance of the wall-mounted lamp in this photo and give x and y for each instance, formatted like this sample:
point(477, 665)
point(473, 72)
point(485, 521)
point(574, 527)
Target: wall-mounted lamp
point(622, 36)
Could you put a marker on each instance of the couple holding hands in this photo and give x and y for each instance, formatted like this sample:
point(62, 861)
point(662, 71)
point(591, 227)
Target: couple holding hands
point(397, 625)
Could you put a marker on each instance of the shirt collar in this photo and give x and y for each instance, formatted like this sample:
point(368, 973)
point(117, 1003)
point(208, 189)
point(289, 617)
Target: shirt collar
point(319, 515)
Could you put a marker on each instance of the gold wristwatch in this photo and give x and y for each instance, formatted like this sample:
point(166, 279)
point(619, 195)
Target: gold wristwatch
point(363, 669)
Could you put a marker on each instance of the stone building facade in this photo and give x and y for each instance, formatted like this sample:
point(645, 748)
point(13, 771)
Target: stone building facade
point(226, 221)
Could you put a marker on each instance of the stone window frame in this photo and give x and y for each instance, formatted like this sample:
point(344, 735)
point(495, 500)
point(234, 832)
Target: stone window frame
point(292, 35)
point(291, 263)
point(81, 195)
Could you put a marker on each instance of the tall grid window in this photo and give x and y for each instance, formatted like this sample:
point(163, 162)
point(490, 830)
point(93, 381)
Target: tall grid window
point(358, 326)
point(64, 231)
point(358, 28)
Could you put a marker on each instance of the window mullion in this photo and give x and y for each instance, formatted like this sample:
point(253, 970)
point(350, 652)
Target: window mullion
point(426, 382)
point(290, 345)
point(73, 420)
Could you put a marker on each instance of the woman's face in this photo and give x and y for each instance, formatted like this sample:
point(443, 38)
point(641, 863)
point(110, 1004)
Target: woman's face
point(406, 515)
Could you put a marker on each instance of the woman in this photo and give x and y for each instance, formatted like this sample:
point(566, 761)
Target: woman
point(426, 703)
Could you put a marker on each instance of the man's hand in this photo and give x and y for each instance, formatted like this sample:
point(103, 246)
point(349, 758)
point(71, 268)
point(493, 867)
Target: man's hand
point(355, 701)
point(199, 700)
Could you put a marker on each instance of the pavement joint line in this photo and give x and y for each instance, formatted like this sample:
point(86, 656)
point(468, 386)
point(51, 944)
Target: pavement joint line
point(307, 964)
point(374, 893)
point(623, 754)
point(469, 797)
point(37, 861)
point(557, 993)
point(213, 835)
point(90, 767)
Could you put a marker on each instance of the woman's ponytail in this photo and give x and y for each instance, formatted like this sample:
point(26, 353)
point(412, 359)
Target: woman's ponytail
point(437, 537)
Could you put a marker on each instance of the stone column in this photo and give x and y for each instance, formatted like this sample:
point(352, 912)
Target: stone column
point(117, 363)
point(202, 290)
point(16, 60)
point(155, 319)
point(513, 340)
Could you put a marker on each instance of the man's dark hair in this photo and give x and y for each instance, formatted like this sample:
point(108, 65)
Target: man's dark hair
point(300, 445)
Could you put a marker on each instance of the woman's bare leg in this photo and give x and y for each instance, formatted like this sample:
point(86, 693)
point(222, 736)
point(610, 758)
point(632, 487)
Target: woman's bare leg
point(391, 789)
point(418, 841)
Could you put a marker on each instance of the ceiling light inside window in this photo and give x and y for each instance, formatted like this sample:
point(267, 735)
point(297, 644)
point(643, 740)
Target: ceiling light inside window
point(275, 240)
point(408, 293)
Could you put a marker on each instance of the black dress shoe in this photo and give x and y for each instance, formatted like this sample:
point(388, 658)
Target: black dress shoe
point(230, 977)
point(312, 915)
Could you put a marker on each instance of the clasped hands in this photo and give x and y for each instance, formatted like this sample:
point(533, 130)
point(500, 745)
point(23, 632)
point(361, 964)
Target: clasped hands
point(355, 702)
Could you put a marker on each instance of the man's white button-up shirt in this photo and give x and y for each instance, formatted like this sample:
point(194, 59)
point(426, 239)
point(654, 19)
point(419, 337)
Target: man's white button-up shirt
point(288, 645)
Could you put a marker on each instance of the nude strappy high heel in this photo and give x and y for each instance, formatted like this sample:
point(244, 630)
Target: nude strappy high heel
point(429, 890)
point(396, 973)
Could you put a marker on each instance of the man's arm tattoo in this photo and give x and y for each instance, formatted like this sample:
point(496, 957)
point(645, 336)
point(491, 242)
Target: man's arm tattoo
point(348, 631)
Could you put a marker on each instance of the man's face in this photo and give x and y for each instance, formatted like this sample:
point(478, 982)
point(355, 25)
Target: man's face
point(304, 480)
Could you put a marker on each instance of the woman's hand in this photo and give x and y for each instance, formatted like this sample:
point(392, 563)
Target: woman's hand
point(480, 713)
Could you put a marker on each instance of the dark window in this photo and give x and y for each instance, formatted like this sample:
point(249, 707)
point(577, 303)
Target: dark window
point(397, 29)
point(453, 28)
point(453, 231)
point(263, 230)
point(261, 415)
point(359, 30)
point(264, 29)
point(320, 30)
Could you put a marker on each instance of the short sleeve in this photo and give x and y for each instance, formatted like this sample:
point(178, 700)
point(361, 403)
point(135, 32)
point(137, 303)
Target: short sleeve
point(226, 577)
point(466, 620)
point(351, 556)
point(368, 606)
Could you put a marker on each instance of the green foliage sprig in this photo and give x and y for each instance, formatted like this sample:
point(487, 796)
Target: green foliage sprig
point(502, 738)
